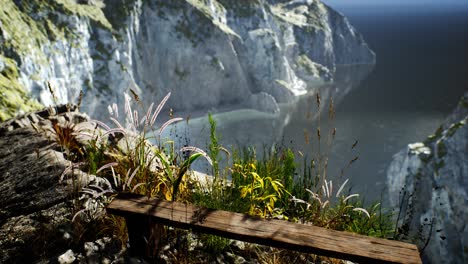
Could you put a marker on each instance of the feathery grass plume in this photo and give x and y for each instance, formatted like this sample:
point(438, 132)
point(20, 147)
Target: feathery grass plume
point(112, 131)
point(170, 121)
point(354, 145)
point(108, 165)
point(52, 92)
point(148, 114)
point(348, 165)
point(135, 119)
point(306, 137)
point(158, 109)
point(95, 204)
point(350, 196)
point(331, 110)
point(228, 154)
point(362, 210)
point(116, 122)
point(317, 96)
point(197, 150)
point(116, 110)
point(110, 110)
point(70, 167)
point(341, 188)
point(80, 98)
point(325, 204)
point(128, 108)
point(102, 124)
point(129, 181)
point(353, 160)
point(82, 211)
point(135, 96)
point(116, 178)
point(137, 186)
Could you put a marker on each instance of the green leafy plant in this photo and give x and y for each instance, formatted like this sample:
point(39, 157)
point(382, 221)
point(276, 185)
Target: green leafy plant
point(261, 193)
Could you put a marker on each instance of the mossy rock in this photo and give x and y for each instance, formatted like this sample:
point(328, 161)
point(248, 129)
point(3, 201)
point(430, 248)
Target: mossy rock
point(241, 8)
point(441, 149)
point(454, 127)
point(435, 136)
point(13, 96)
point(29, 24)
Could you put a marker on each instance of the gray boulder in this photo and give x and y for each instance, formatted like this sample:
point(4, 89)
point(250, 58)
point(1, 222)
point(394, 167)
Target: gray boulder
point(35, 206)
point(428, 186)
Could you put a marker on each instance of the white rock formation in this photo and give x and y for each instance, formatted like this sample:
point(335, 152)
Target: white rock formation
point(207, 53)
point(428, 185)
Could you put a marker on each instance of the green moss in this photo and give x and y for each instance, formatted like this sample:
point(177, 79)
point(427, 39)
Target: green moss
point(53, 31)
point(92, 12)
point(306, 64)
point(464, 102)
point(454, 127)
point(283, 83)
point(241, 8)
point(201, 23)
point(29, 25)
point(13, 97)
point(435, 136)
point(89, 84)
point(311, 19)
point(215, 62)
point(426, 158)
point(35, 22)
point(22, 33)
point(202, 6)
point(441, 149)
point(419, 175)
point(103, 51)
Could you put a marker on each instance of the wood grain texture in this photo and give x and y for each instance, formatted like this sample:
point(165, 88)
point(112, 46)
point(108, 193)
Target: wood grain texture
point(270, 232)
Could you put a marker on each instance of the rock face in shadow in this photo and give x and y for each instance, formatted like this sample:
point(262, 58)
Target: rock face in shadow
point(31, 162)
point(33, 204)
point(428, 185)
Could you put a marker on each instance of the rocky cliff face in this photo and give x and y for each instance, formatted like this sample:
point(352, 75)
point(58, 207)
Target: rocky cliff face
point(428, 184)
point(246, 54)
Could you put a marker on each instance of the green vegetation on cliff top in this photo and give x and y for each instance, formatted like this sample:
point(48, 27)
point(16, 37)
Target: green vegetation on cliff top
point(25, 28)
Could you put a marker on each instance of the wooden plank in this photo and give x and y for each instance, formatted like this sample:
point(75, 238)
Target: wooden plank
point(270, 232)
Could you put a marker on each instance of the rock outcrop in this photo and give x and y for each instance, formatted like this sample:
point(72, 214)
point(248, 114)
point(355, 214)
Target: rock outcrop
point(31, 161)
point(208, 53)
point(428, 185)
point(33, 206)
point(38, 195)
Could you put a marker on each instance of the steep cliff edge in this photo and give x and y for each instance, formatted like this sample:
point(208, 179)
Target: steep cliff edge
point(428, 184)
point(247, 54)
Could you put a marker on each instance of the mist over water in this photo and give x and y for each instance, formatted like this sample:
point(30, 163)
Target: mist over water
point(421, 73)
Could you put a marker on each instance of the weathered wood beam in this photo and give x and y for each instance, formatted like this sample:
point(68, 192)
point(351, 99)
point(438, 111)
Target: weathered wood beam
point(270, 232)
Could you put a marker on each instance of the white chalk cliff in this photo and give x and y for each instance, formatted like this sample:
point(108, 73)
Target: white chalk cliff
point(208, 53)
point(428, 185)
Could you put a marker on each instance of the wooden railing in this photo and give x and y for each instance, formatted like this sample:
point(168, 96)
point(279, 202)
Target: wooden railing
point(145, 216)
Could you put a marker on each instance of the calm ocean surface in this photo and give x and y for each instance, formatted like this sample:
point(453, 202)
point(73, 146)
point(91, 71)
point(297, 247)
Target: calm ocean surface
point(421, 72)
